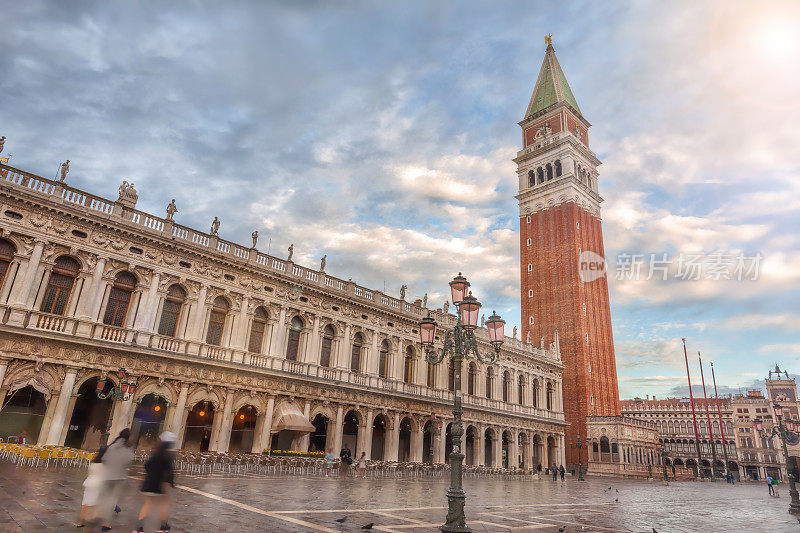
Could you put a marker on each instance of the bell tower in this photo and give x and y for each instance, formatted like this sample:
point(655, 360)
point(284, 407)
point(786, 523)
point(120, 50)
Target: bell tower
point(564, 286)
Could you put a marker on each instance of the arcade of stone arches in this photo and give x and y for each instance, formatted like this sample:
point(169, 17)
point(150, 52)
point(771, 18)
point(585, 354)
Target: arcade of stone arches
point(59, 405)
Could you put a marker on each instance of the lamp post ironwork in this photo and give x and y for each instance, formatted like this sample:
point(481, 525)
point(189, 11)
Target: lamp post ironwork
point(459, 344)
point(664, 457)
point(579, 446)
point(791, 430)
point(124, 391)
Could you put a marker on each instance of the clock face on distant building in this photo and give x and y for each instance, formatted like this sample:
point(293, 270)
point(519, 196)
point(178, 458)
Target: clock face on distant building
point(782, 395)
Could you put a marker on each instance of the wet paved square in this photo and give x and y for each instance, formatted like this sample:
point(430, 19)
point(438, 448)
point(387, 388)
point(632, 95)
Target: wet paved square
point(48, 500)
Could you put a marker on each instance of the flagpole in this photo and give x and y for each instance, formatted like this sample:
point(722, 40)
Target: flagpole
point(694, 416)
point(721, 428)
point(708, 419)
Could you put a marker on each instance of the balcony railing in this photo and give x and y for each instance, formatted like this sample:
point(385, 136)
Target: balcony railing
point(80, 328)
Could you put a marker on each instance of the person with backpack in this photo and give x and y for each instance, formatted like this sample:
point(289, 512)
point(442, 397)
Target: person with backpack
point(159, 472)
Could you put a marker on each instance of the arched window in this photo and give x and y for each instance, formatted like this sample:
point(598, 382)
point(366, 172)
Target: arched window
point(549, 396)
point(62, 278)
point(7, 251)
point(408, 365)
point(216, 321)
point(531, 178)
point(489, 381)
point(327, 346)
point(549, 171)
point(558, 167)
point(472, 374)
point(540, 175)
point(293, 343)
point(171, 311)
point(257, 328)
point(604, 445)
point(383, 360)
point(521, 389)
point(355, 354)
point(119, 298)
point(506, 386)
point(431, 379)
point(536, 393)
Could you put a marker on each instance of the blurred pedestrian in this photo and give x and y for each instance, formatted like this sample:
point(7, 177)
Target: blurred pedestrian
point(116, 460)
point(554, 470)
point(159, 473)
point(770, 487)
point(329, 458)
point(561, 471)
point(362, 464)
point(346, 458)
point(92, 487)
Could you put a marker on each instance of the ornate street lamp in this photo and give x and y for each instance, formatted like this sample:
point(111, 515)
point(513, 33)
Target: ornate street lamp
point(579, 446)
point(459, 344)
point(124, 392)
point(664, 457)
point(784, 432)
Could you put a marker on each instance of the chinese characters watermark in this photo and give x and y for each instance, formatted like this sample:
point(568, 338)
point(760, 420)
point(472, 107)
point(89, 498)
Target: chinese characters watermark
point(715, 266)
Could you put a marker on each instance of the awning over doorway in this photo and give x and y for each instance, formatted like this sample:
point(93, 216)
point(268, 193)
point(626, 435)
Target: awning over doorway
point(289, 417)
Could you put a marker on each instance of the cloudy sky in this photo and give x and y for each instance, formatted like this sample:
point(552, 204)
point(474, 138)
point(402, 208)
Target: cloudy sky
point(381, 134)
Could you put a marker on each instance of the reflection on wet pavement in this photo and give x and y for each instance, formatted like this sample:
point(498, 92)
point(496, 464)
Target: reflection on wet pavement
point(48, 500)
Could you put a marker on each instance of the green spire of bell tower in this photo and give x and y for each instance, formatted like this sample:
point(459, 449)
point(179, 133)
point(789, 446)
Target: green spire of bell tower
point(551, 85)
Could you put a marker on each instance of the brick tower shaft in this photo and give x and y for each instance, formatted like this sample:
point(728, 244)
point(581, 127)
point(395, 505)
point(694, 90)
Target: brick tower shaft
point(560, 230)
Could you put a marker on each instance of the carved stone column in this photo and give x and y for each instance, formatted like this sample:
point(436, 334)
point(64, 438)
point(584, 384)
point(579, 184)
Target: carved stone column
point(198, 316)
point(372, 360)
point(20, 296)
point(145, 321)
point(338, 429)
point(120, 416)
point(60, 414)
point(440, 445)
point(96, 294)
point(278, 342)
point(312, 354)
point(304, 441)
point(3, 367)
point(497, 449)
point(513, 450)
point(393, 439)
point(224, 434)
point(367, 446)
point(239, 334)
point(417, 442)
point(176, 424)
point(22, 292)
point(481, 445)
point(342, 359)
point(262, 440)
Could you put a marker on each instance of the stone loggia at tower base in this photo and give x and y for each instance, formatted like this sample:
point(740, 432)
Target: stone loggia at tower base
point(622, 446)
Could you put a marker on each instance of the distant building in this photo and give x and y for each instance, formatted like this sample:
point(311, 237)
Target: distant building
point(748, 455)
point(676, 433)
point(622, 446)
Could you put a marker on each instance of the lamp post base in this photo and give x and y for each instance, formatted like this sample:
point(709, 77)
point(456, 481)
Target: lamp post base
point(455, 522)
point(794, 507)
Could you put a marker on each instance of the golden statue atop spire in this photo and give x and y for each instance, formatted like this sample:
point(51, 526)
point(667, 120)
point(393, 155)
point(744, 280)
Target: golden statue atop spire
point(548, 39)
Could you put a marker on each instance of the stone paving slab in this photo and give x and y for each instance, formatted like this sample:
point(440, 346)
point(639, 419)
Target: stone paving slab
point(49, 500)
